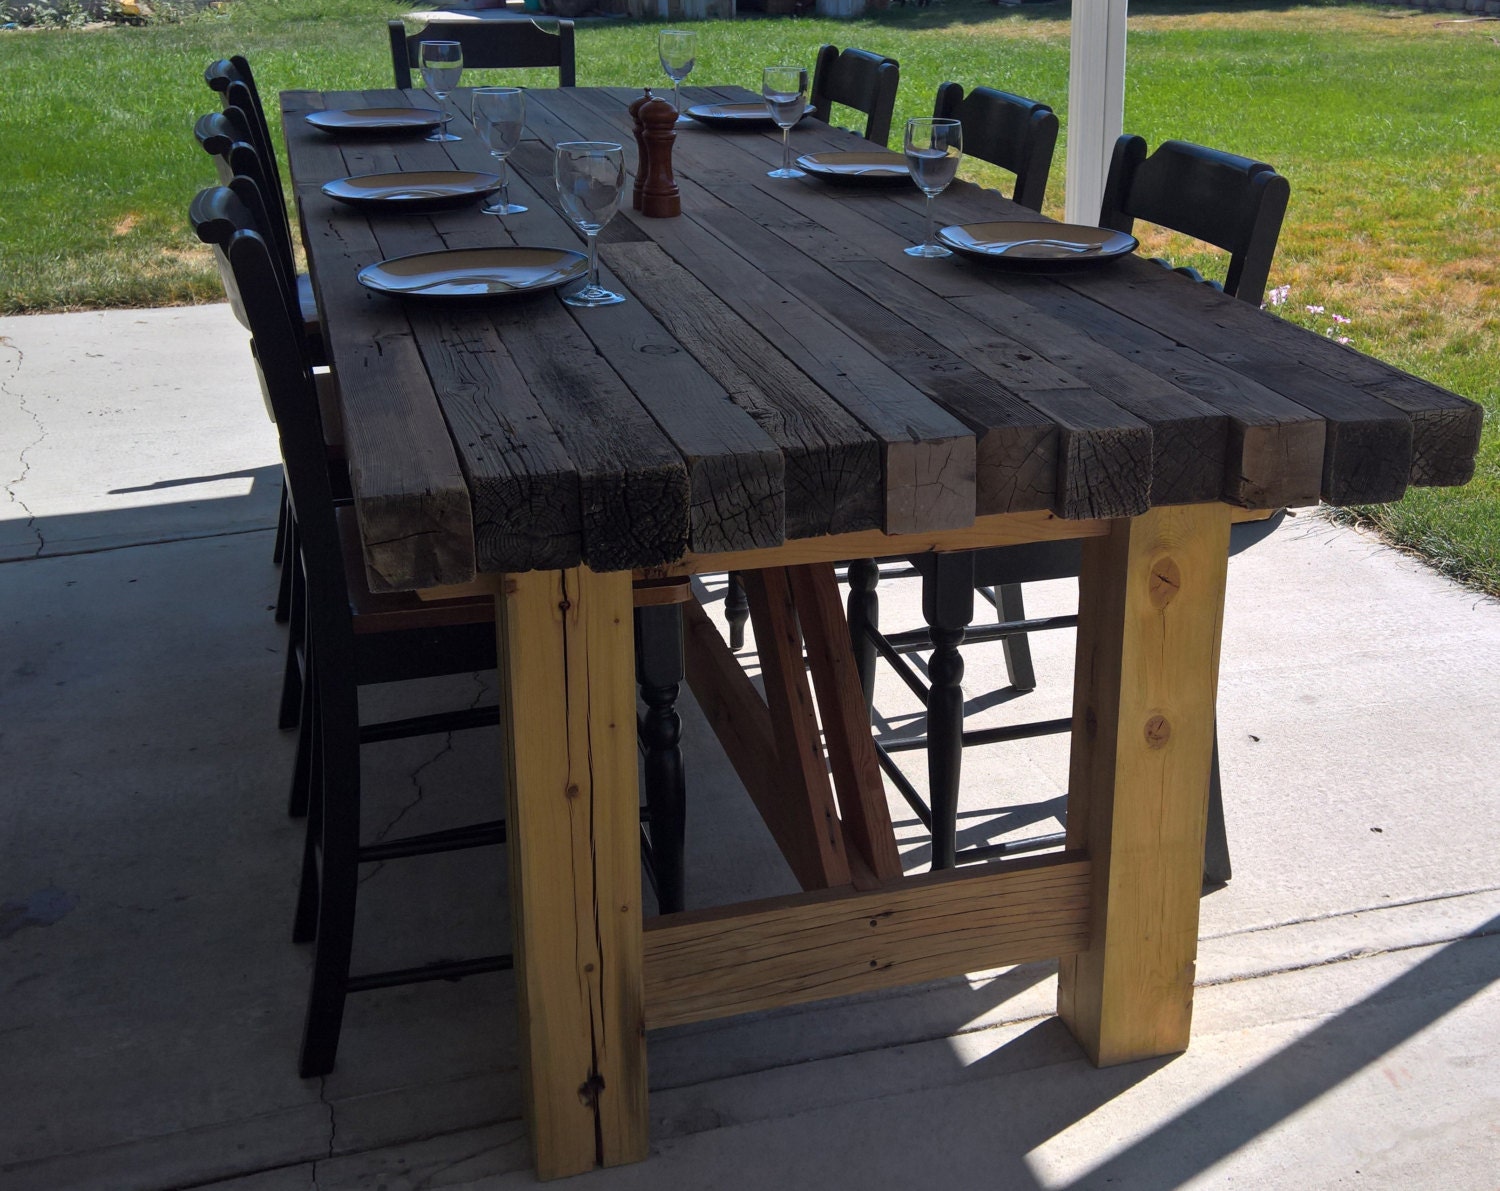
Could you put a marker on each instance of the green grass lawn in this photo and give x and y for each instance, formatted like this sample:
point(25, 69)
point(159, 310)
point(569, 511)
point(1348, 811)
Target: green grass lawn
point(1382, 118)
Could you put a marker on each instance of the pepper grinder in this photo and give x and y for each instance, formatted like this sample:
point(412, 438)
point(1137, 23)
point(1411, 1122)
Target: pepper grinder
point(660, 198)
point(641, 152)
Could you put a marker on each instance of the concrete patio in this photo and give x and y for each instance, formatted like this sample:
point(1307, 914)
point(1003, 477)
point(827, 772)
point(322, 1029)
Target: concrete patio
point(1347, 1025)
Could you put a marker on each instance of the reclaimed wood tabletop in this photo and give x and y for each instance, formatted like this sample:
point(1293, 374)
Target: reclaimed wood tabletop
point(783, 371)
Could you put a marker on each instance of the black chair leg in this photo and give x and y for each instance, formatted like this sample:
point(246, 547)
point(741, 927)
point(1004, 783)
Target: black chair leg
point(291, 676)
point(659, 671)
point(1216, 867)
point(863, 611)
point(948, 606)
point(736, 610)
point(305, 920)
point(284, 550)
point(1011, 605)
point(338, 886)
point(303, 763)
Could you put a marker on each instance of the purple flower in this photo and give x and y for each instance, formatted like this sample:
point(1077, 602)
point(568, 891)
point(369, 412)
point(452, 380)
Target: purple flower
point(1314, 310)
point(1339, 318)
point(1278, 295)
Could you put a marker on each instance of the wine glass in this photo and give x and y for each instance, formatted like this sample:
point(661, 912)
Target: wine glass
point(934, 148)
point(499, 115)
point(590, 178)
point(442, 64)
point(784, 89)
point(677, 49)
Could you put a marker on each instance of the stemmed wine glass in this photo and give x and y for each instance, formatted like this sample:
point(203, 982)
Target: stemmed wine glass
point(784, 89)
point(677, 49)
point(590, 178)
point(934, 147)
point(499, 115)
point(442, 64)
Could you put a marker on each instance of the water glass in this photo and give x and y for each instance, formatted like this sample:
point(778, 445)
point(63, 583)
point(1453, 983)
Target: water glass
point(934, 147)
point(678, 50)
point(590, 180)
point(500, 115)
point(442, 64)
point(784, 89)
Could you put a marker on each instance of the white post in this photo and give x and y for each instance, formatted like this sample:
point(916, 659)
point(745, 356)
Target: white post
point(1096, 103)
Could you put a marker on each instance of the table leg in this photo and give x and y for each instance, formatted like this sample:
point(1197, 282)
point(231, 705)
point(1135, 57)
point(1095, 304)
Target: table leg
point(568, 714)
point(1150, 614)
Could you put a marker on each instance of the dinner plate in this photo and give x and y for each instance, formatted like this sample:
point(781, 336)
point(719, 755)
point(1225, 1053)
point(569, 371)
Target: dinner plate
point(1037, 246)
point(876, 167)
point(736, 115)
point(375, 121)
point(475, 272)
point(417, 190)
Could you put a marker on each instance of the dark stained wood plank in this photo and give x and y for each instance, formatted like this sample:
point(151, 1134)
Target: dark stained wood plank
point(832, 465)
point(1368, 449)
point(411, 495)
point(1445, 426)
point(927, 454)
point(928, 482)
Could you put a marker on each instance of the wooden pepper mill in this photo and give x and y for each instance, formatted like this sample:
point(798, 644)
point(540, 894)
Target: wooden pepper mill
point(660, 198)
point(640, 149)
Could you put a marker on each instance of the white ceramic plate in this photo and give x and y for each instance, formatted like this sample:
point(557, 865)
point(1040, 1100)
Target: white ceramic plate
point(375, 121)
point(1035, 245)
point(877, 167)
point(475, 272)
point(414, 190)
point(736, 115)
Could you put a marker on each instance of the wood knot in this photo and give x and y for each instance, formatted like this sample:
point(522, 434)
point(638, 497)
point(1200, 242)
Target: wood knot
point(1166, 581)
point(1158, 731)
point(589, 1089)
point(573, 790)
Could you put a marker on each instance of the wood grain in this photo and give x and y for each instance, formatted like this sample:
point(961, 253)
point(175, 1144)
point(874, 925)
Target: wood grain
point(1151, 601)
point(568, 712)
point(784, 951)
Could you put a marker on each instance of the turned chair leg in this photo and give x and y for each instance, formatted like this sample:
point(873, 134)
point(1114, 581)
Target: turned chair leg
point(948, 607)
point(863, 611)
point(659, 671)
point(736, 610)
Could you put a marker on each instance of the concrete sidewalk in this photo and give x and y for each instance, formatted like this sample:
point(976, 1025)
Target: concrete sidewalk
point(1347, 1013)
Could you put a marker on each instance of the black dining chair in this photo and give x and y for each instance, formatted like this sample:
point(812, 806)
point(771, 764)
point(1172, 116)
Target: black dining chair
point(234, 82)
point(1016, 134)
point(490, 45)
point(860, 80)
point(1234, 203)
point(225, 136)
point(356, 639)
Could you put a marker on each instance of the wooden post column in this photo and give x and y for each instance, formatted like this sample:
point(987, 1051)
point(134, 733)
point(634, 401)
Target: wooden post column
point(1150, 614)
point(568, 714)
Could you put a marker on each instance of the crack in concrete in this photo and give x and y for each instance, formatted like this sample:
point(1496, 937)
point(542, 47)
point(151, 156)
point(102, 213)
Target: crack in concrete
point(11, 484)
point(416, 781)
point(333, 1128)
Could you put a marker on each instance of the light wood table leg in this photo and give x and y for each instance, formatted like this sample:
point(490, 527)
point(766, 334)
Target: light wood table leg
point(1150, 614)
point(568, 714)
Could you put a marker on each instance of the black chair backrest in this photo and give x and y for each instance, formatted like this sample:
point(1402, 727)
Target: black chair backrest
point(248, 267)
point(1016, 134)
point(235, 83)
point(1231, 202)
point(489, 45)
point(860, 80)
point(222, 135)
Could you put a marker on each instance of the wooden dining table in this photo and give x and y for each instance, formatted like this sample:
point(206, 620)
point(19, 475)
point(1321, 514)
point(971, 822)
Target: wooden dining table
point(785, 389)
